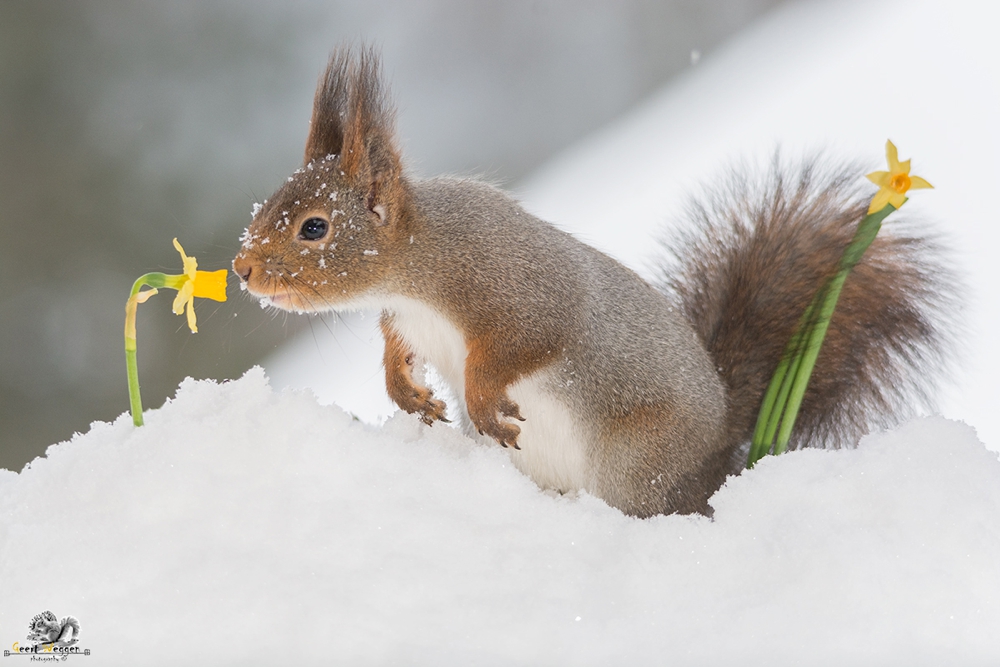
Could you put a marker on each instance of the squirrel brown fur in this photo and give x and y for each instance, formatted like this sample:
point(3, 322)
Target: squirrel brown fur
point(597, 380)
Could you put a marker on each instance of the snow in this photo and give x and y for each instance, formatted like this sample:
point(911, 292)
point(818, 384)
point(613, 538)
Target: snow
point(250, 526)
point(246, 525)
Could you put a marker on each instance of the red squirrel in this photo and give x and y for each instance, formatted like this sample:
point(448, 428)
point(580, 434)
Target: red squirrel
point(596, 380)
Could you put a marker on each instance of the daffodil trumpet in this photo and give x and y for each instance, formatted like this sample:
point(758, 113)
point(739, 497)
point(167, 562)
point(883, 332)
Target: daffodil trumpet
point(783, 397)
point(190, 284)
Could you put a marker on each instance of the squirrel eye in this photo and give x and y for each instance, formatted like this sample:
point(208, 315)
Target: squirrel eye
point(314, 229)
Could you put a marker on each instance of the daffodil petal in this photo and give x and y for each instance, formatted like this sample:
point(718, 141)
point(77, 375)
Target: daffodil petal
point(880, 199)
point(892, 156)
point(192, 321)
point(178, 306)
point(897, 199)
point(904, 167)
point(917, 182)
point(211, 284)
point(879, 178)
point(190, 263)
point(144, 295)
point(184, 295)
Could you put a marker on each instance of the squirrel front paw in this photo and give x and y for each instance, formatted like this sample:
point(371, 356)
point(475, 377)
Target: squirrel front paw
point(508, 408)
point(486, 422)
point(421, 402)
point(505, 434)
point(399, 361)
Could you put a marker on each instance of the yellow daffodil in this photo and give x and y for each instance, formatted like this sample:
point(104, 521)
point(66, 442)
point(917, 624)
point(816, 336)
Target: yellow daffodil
point(783, 398)
point(190, 284)
point(195, 283)
point(893, 184)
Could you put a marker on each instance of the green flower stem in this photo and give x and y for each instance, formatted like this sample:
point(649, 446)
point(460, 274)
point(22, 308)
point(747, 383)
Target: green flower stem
point(791, 378)
point(155, 280)
point(781, 385)
point(135, 401)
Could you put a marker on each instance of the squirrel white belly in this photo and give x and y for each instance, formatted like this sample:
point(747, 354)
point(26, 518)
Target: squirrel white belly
point(550, 446)
point(596, 380)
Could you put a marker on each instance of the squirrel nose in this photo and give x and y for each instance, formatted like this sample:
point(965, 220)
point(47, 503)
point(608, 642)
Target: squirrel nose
point(242, 268)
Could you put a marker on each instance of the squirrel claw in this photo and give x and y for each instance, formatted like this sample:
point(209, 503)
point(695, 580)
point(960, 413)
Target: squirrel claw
point(428, 409)
point(509, 408)
point(504, 434)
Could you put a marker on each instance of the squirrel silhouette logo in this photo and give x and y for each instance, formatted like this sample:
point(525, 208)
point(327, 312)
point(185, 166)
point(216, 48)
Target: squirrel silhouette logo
point(45, 630)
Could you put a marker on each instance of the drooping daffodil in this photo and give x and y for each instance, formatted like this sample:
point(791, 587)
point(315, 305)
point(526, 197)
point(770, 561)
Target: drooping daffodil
point(189, 285)
point(893, 184)
point(195, 283)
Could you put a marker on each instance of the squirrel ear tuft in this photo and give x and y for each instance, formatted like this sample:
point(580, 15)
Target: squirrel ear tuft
point(353, 118)
point(369, 141)
point(326, 129)
point(369, 156)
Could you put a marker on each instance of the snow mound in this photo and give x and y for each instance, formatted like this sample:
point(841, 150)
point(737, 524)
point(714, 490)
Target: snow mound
point(247, 526)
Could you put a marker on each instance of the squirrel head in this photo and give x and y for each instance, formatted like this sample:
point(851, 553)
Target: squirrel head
point(325, 237)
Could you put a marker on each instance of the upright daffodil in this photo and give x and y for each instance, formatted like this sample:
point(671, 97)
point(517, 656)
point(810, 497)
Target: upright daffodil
point(893, 184)
point(783, 398)
point(190, 284)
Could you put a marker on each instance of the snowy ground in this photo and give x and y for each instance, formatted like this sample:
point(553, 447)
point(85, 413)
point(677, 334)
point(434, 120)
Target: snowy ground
point(243, 525)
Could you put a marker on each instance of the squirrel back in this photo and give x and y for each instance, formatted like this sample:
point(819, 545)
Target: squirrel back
point(594, 378)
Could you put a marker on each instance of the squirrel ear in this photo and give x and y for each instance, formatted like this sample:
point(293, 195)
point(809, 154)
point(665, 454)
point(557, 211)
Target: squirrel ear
point(326, 129)
point(369, 156)
point(369, 142)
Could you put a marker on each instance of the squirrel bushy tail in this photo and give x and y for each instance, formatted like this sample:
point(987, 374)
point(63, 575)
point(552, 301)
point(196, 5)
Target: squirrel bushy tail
point(745, 267)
